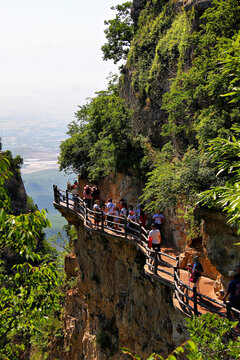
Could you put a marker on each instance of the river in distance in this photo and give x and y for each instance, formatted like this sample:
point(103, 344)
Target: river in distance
point(38, 144)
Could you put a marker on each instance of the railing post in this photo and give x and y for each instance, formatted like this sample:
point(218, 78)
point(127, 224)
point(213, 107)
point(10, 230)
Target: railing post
point(67, 199)
point(228, 310)
point(195, 300)
point(102, 221)
point(177, 266)
point(175, 278)
point(155, 262)
point(187, 300)
point(125, 226)
point(84, 212)
point(140, 233)
point(54, 192)
point(174, 274)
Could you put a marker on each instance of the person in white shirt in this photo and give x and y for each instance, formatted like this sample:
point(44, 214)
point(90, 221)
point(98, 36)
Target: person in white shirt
point(131, 218)
point(110, 209)
point(156, 239)
point(123, 211)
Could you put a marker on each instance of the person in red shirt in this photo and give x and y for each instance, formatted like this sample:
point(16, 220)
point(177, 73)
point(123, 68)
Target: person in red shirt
point(87, 197)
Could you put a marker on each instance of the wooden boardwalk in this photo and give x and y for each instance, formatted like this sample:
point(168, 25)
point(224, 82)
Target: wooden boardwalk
point(167, 271)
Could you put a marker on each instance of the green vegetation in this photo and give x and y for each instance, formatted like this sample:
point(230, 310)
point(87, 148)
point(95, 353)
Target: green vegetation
point(174, 180)
point(119, 33)
point(225, 152)
point(160, 44)
point(210, 338)
point(16, 162)
point(196, 110)
point(100, 141)
point(28, 275)
point(202, 103)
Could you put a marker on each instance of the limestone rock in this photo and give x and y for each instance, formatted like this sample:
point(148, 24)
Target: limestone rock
point(17, 193)
point(115, 304)
point(71, 265)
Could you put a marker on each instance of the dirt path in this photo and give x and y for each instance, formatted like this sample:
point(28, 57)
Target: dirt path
point(206, 285)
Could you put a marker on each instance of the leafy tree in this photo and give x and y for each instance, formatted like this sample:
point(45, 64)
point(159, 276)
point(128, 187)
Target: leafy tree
point(210, 338)
point(226, 153)
point(119, 33)
point(16, 162)
point(100, 141)
point(175, 180)
point(231, 65)
point(28, 280)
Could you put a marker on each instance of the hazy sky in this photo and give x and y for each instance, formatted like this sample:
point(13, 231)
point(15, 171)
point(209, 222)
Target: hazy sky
point(50, 57)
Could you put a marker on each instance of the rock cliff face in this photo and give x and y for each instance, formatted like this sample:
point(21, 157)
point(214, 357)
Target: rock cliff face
point(17, 194)
point(118, 186)
point(215, 245)
point(147, 75)
point(219, 241)
point(16, 191)
point(114, 303)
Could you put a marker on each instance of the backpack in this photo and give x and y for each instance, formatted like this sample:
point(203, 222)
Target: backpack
point(194, 276)
point(88, 190)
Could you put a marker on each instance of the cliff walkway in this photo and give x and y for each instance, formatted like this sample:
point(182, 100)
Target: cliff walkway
point(166, 271)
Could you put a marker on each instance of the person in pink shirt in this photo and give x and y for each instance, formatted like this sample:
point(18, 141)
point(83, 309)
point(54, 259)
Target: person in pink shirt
point(87, 197)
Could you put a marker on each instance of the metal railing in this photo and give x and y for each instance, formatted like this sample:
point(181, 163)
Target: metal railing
point(190, 301)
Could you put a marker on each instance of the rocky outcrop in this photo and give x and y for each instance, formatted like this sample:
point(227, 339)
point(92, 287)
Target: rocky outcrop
point(215, 244)
point(17, 193)
point(16, 189)
point(220, 244)
point(114, 303)
point(197, 4)
point(118, 186)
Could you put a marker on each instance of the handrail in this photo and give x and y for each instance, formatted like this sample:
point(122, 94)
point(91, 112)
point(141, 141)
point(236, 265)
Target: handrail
point(123, 228)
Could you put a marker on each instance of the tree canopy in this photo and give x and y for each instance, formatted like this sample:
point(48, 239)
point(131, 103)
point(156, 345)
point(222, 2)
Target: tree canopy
point(28, 277)
point(100, 140)
point(210, 338)
point(119, 33)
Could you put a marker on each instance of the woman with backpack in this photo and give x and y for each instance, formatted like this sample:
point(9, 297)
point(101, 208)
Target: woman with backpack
point(196, 271)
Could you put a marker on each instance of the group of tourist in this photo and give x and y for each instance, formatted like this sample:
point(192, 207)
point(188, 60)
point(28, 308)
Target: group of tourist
point(114, 210)
point(116, 213)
